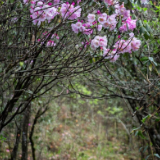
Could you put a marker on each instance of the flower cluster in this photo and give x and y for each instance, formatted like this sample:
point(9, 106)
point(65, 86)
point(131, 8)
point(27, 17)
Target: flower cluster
point(122, 46)
point(51, 42)
point(82, 27)
point(107, 21)
point(129, 24)
point(41, 12)
point(69, 11)
point(120, 10)
point(109, 2)
point(45, 10)
point(102, 20)
point(99, 41)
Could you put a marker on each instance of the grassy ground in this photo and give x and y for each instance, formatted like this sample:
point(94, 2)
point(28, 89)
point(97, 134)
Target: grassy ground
point(78, 139)
point(78, 136)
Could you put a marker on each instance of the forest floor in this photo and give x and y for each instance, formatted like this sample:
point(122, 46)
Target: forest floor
point(77, 138)
point(80, 136)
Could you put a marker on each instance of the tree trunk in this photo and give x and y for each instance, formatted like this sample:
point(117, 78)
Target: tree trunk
point(15, 149)
point(25, 133)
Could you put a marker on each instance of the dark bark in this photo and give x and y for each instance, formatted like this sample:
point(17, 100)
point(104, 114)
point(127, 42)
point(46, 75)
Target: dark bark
point(15, 149)
point(25, 134)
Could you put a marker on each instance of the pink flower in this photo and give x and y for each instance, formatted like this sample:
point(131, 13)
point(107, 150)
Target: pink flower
point(50, 43)
point(111, 22)
point(56, 1)
point(99, 27)
point(109, 2)
point(91, 18)
point(25, 1)
point(69, 11)
point(105, 52)
point(42, 12)
point(114, 56)
point(78, 1)
point(94, 44)
point(77, 27)
point(135, 44)
point(102, 18)
point(110, 54)
point(129, 24)
point(39, 3)
point(99, 41)
point(88, 31)
point(122, 11)
point(98, 12)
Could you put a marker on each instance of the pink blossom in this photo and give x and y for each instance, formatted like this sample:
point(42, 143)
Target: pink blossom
point(25, 1)
point(50, 43)
point(99, 41)
point(91, 18)
point(114, 56)
point(94, 44)
point(42, 13)
point(56, 1)
point(111, 22)
point(129, 24)
point(74, 28)
point(39, 3)
point(99, 27)
point(105, 52)
point(120, 46)
point(135, 44)
point(109, 2)
point(110, 54)
point(102, 18)
point(78, 1)
point(69, 11)
point(98, 12)
point(122, 11)
point(88, 31)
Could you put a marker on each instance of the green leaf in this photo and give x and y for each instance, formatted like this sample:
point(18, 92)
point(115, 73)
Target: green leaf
point(129, 5)
point(144, 59)
point(147, 35)
point(139, 23)
point(152, 60)
point(157, 119)
point(119, 24)
point(40, 102)
point(111, 10)
point(145, 9)
point(21, 64)
point(143, 30)
point(157, 155)
point(139, 133)
point(145, 118)
point(150, 67)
